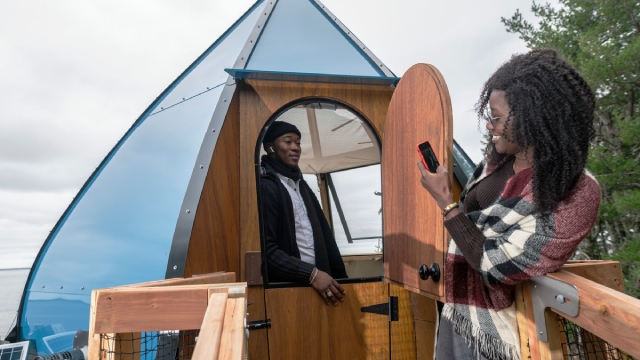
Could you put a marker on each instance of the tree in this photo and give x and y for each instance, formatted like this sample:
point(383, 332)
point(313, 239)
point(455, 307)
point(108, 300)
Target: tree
point(601, 38)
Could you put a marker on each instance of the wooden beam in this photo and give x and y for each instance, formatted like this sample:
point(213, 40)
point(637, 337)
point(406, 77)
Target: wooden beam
point(208, 343)
point(93, 351)
point(213, 278)
point(233, 344)
point(149, 309)
point(521, 315)
point(610, 315)
point(607, 273)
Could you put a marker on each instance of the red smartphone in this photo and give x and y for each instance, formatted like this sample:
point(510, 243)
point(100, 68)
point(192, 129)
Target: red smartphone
point(428, 157)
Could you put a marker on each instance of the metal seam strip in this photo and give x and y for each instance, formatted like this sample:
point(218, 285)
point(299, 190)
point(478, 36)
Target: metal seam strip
point(184, 226)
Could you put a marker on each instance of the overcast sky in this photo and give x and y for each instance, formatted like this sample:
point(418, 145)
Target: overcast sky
point(75, 74)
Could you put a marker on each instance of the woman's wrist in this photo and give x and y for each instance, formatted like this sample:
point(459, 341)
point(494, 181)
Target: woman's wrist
point(443, 203)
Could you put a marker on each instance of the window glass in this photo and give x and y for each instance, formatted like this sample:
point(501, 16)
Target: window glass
point(299, 38)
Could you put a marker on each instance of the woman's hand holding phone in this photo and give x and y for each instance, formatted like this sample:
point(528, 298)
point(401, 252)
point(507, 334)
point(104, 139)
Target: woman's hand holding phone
point(428, 157)
point(435, 178)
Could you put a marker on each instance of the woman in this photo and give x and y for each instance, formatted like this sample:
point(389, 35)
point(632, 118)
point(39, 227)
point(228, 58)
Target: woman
point(299, 243)
point(526, 207)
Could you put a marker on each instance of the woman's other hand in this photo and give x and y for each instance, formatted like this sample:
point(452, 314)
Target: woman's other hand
point(328, 289)
point(438, 184)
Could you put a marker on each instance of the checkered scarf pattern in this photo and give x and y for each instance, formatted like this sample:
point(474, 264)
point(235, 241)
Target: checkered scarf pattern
point(520, 243)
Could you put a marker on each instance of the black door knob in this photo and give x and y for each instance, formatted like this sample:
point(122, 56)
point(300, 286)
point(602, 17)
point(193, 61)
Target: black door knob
point(433, 271)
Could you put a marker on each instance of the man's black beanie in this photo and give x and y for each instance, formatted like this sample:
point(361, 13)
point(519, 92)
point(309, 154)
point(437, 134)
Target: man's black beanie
point(277, 129)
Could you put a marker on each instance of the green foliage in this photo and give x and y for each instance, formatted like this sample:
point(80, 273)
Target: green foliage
point(629, 258)
point(601, 38)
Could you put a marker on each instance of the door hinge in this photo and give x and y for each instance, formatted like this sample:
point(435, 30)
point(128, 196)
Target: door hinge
point(389, 308)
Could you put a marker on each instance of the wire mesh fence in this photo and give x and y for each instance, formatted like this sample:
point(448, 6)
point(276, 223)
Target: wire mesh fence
point(158, 345)
point(581, 344)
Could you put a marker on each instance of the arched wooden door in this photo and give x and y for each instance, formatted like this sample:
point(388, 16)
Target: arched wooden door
point(414, 234)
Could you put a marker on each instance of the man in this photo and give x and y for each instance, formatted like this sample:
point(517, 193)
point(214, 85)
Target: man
point(299, 244)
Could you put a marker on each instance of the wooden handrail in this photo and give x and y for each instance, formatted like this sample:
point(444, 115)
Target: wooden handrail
point(606, 313)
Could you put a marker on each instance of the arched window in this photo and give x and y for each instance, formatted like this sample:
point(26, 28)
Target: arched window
point(340, 161)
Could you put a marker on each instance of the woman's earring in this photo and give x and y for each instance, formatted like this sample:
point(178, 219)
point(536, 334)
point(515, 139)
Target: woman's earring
point(271, 148)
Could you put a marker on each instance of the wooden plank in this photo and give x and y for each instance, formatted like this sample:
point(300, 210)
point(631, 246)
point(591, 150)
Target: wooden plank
point(149, 309)
point(607, 273)
point(523, 328)
point(93, 346)
point(403, 331)
point(608, 314)
point(233, 290)
point(552, 349)
point(213, 278)
point(208, 344)
point(233, 344)
point(534, 343)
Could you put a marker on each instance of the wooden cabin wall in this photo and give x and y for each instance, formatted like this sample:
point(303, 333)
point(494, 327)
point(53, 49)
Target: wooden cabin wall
point(214, 244)
point(259, 101)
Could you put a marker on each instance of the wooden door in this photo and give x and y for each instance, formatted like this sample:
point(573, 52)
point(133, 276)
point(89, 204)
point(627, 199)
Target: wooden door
point(414, 234)
point(304, 327)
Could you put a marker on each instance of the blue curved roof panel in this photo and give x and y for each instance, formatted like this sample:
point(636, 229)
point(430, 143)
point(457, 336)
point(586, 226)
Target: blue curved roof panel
point(300, 38)
point(119, 228)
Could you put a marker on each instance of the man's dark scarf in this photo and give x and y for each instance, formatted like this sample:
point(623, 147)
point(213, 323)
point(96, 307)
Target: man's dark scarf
point(313, 209)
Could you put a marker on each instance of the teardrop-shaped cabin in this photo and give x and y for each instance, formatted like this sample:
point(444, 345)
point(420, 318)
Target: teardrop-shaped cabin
point(177, 196)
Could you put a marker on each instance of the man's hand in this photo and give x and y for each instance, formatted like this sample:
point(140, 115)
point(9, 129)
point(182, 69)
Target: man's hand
point(328, 289)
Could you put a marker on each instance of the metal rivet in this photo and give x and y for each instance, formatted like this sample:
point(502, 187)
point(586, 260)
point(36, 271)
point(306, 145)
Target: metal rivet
point(560, 299)
point(225, 100)
point(213, 130)
point(175, 267)
point(201, 167)
point(183, 99)
point(258, 26)
point(188, 211)
point(82, 288)
point(43, 286)
point(61, 287)
point(541, 332)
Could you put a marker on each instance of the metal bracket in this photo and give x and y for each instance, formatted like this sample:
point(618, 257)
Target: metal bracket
point(551, 293)
point(259, 324)
point(389, 308)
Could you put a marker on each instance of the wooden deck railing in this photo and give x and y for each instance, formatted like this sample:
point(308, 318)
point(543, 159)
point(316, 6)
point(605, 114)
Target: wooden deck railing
point(211, 306)
point(215, 313)
point(612, 317)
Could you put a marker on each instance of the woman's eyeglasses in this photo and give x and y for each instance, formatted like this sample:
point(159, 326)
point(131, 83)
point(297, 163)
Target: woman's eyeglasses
point(493, 119)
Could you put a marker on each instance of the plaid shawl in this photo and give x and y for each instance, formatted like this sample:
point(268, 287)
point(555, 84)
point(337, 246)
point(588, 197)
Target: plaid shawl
point(520, 243)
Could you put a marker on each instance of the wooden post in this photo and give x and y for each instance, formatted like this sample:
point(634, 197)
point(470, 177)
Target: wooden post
point(209, 339)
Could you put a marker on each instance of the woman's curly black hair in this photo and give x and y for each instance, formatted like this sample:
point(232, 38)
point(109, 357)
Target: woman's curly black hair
point(552, 114)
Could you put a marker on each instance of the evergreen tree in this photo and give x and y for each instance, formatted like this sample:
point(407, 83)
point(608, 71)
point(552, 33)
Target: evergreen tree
point(601, 38)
